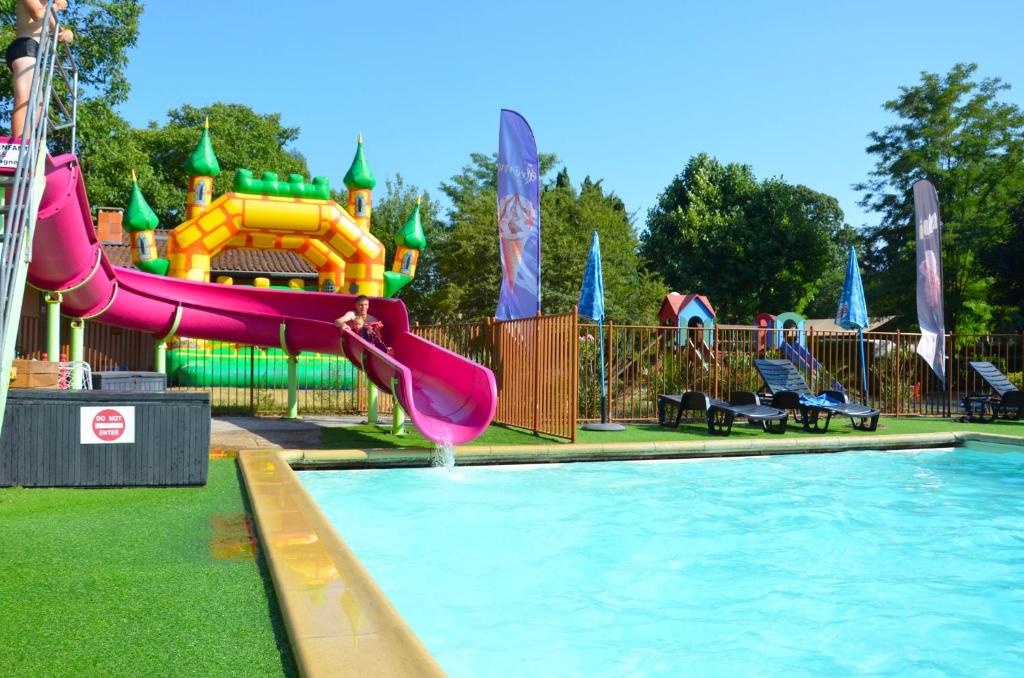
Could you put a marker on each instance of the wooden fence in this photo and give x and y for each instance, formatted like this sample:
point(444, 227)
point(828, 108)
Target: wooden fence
point(535, 364)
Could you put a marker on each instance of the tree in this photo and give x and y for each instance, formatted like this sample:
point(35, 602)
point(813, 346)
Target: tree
point(391, 209)
point(953, 131)
point(568, 218)
point(1005, 259)
point(468, 267)
point(241, 138)
point(749, 246)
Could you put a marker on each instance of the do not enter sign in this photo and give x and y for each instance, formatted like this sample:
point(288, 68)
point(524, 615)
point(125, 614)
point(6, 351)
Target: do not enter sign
point(108, 425)
point(101, 425)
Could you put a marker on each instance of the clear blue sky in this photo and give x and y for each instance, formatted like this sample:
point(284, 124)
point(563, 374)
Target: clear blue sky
point(624, 92)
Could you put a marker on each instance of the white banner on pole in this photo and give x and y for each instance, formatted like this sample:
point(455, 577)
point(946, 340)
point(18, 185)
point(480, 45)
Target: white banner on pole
point(930, 317)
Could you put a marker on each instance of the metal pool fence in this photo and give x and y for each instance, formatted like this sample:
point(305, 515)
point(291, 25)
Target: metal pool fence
point(644, 361)
point(254, 380)
point(547, 373)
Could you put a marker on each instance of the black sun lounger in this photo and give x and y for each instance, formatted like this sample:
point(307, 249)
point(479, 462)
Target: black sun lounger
point(1005, 401)
point(720, 414)
point(786, 385)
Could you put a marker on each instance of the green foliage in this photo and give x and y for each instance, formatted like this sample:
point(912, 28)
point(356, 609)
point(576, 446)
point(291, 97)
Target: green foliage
point(589, 385)
point(739, 372)
point(391, 209)
point(241, 138)
point(568, 218)
point(749, 246)
point(468, 267)
point(953, 131)
point(1004, 257)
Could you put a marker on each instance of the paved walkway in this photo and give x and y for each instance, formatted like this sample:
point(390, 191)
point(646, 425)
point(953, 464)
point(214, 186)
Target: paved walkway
point(235, 433)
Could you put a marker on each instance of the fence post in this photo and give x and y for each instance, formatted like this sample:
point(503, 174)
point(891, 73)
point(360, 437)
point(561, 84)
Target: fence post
point(714, 359)
point(949, 375)
point(611, 362)
point(899, 377)
point(536, 373)
point(574, 337)
point(252, 380)
point(810, 363)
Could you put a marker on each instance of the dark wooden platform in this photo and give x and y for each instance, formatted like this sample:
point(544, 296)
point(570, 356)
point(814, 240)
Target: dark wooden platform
point(41, 444)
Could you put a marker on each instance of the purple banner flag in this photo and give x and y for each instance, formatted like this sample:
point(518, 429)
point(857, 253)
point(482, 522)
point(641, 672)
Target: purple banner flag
point(932, 346)
point(518, 218)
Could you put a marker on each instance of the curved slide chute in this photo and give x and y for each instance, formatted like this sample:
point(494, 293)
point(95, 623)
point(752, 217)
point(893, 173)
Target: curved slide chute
point(449, 398)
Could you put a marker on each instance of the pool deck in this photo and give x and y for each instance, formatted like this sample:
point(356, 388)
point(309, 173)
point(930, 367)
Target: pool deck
point(340, 622)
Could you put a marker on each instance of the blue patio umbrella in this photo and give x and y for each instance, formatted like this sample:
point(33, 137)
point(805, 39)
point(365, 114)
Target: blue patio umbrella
point(853, 309)
point(592, 306)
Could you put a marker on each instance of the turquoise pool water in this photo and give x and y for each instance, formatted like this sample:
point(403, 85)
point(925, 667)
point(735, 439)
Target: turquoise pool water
point(879, 563)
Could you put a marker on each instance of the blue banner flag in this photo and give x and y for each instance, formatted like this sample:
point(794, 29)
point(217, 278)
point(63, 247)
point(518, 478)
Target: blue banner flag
point(518, 218)
point(592, 294)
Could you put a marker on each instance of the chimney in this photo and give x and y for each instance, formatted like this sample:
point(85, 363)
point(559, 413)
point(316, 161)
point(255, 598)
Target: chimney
point(108, 225)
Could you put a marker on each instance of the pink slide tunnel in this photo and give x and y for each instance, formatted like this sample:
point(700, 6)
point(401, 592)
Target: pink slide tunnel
point(448, 398)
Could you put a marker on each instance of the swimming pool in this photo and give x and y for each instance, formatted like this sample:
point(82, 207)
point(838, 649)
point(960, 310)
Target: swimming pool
point(890, 563)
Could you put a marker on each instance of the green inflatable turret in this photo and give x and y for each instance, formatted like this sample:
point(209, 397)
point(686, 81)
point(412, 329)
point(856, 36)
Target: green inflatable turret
point(140, 222)
point(409, 241)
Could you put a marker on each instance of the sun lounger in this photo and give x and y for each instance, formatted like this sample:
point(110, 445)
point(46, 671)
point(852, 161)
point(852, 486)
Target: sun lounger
point(789, 392)
point(1003, 401)
point(719, 414)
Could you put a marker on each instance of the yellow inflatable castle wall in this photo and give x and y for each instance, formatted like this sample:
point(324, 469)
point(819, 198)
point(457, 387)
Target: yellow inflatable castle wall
point(269, 213)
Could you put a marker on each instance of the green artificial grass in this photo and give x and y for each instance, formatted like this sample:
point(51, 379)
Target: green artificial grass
point(365, 436)
point(154, 581)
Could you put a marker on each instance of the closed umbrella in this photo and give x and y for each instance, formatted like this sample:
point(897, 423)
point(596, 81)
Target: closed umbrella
point(853, 309)
point(592, 306)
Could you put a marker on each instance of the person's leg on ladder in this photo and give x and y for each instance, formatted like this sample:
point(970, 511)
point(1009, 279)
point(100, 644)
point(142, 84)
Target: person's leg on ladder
point(21, 75)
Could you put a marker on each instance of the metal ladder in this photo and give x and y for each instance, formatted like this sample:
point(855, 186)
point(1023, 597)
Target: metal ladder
point(24, 189)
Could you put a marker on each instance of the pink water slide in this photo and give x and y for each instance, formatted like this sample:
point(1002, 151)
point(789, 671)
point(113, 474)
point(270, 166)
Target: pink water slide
point(448, 398)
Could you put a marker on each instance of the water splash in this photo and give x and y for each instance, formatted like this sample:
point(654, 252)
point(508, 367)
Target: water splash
point(444, 455)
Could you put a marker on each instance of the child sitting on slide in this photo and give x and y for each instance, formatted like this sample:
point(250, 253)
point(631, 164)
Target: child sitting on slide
point(364, 324)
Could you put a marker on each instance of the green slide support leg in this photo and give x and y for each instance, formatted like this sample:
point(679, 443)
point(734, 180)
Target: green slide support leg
point(77, 351)
point(160, 357)
point(53, 326)
point(398, 420)
point(397, 413)
point(371, 404)
point(293, 387)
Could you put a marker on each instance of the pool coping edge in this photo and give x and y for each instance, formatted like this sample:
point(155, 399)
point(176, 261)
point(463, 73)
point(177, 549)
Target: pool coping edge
point(583, 452)
point(312, 568)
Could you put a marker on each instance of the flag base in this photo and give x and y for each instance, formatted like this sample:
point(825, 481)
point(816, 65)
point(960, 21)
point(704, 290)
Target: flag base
point(603, 427)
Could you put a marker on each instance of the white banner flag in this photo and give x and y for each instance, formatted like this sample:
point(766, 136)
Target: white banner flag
point(932, 346)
